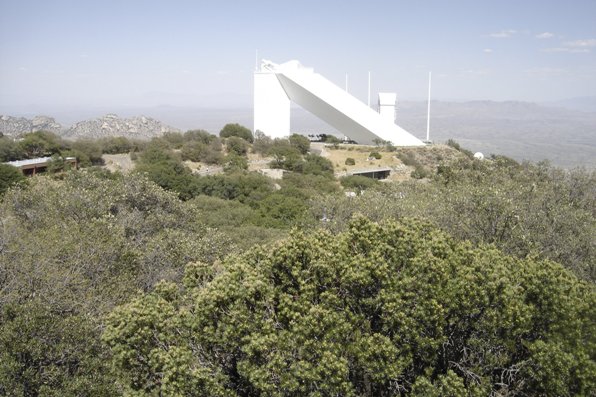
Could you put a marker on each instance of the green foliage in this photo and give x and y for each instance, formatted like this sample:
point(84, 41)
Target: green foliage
point(332, 139)
point(285, 156)
point(317, 165)
point(523, 209)
point(380, 310)
point(350, 161)
point(10, 150)
point(40, 144)
point(118, 144)
point(237, 146)
point(408, 158)
point(236, 130)
point(9, 176)
point(72, 249)
point(199, 136)
point(282, 210)
point(51, 353)
point(175, 139)
point(234, 163)
point(420, 172)
point(454, 144)
point(56, 164)
point(358, 182)
point(167, 170)
point(244, 187)
point(375, 155)
point(309, 184)
point(193, 151)
point(262, 143)
point(300, 142)
point(199, 151)
point(239, 222)
point(88, 152)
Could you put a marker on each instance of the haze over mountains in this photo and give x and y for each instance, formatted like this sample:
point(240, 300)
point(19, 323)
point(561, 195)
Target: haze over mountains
point(563, 132)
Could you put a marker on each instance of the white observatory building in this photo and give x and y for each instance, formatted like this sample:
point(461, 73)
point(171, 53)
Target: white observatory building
point(278, 85)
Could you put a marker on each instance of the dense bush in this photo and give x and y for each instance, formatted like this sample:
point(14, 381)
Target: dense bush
point(244, 187)
point(198, 151)
point(71, 250)
point(262, 143)
point(350, 161)
point(237, 145)
point(10, 150)
point(300, 142)
point(9, 176)
point(358, 183)
point(236, 130)
point(527, 209)
point(380, 310)
point(164, 168)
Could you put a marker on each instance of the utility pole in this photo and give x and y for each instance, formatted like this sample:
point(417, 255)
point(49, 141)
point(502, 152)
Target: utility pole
point(428, 112)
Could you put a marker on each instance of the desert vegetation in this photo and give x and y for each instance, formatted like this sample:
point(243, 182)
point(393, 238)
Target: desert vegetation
point(469, 278)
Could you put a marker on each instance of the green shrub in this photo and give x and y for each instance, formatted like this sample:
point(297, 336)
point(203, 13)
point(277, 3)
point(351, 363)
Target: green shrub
point(300, 142)
point(9, 176)
point(236, 130)
point(420, 172)
point(350, 161)
point(347, 315)
point(358, 182)
point(237, 145)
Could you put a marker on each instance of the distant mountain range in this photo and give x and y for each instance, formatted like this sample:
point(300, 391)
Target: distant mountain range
point(563, 132)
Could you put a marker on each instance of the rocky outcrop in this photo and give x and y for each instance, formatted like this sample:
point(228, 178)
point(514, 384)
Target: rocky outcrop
point(17, 126)
point(111, 125)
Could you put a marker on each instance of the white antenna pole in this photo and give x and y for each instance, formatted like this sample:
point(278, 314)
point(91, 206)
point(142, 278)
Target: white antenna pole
point(368, 89)
point(256, 60)
point(428, 113)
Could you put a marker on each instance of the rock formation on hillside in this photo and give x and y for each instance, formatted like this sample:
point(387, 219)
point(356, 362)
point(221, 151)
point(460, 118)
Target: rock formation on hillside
point(17, 126)
point(109, 125)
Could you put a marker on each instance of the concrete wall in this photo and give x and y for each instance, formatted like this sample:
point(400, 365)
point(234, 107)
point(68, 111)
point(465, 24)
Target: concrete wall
point(271, 106)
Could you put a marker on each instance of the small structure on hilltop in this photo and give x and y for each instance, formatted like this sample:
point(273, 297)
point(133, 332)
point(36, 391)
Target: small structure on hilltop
point(31, 167)
point(374, 173)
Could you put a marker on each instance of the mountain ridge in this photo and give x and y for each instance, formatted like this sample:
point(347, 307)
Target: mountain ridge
point(140, 127)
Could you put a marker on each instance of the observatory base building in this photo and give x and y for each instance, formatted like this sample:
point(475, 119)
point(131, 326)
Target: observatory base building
point(276, 86)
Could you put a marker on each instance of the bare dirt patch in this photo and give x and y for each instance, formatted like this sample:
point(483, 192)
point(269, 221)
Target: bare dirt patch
point(118, 162)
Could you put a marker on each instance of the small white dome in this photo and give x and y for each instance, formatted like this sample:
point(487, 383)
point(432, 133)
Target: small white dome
point(479, 156)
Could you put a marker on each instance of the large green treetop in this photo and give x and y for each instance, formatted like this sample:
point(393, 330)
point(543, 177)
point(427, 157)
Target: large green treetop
point(380, 310)
point(238, 130)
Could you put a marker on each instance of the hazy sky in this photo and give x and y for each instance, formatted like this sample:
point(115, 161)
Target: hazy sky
point(202, 53)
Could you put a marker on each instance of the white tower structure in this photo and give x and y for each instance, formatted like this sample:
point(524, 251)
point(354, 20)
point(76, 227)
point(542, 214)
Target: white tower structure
point(271, 105)
point(277, 85)
point(387, 105)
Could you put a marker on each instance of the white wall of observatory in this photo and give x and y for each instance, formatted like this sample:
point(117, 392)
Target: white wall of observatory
point(271, 106)
point(387, 105)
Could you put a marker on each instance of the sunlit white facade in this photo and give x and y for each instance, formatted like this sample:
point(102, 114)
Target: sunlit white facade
point(278, 85)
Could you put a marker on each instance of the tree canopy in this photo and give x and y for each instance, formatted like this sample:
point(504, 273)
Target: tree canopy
point(238, 130)
point(380, 310)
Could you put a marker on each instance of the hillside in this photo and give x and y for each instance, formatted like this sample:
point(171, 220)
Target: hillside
point(521, 130)
point(493, 256)
point(139, 127)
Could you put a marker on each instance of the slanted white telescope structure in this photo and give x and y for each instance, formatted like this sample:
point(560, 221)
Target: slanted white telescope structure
point(278, 85)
